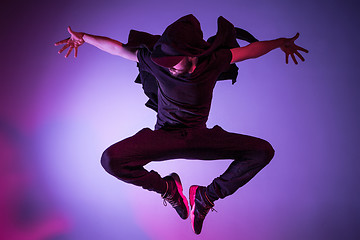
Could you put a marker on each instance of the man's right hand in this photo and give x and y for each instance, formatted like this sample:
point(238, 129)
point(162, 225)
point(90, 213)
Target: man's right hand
point(74, 41)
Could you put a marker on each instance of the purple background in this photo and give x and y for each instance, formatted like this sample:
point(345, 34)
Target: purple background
point(57, 116)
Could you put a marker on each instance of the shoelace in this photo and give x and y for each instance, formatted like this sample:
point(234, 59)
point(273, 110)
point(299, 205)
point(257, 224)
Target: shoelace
point(205, 210)
point(170, 200)
point(212, 207)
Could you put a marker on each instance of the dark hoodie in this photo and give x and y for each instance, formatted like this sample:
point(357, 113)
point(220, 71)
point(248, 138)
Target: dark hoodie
point(184, 38)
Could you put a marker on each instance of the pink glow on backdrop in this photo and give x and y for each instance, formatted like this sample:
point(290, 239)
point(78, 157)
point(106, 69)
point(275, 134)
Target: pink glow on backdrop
point(57, 116)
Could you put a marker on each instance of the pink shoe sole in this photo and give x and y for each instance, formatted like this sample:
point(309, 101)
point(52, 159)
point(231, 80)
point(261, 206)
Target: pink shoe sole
point(180, 189)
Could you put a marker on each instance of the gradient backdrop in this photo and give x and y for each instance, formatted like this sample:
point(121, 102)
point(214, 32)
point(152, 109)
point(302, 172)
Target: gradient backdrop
point(57, 116)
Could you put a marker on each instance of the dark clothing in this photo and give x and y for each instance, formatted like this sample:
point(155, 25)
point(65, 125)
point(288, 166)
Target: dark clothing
point(184, 37)
point(225, 38)
point(125, 159)
point(185, 101)
point(183, 105)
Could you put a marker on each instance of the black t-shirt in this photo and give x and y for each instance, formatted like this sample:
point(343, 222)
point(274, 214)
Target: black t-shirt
point(185, 101)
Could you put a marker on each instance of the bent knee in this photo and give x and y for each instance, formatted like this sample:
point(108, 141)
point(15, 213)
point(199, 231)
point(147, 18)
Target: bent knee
point(111, 162)
point(269, 152)
point(115, 163)
point(106, 161)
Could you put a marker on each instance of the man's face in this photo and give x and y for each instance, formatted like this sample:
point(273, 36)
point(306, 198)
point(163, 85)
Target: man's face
point(185, 66)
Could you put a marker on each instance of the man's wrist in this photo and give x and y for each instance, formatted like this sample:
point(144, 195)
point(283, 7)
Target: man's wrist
point(281, 41)
point(86, 37)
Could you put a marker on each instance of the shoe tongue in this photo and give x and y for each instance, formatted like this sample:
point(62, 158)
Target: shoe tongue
point(172, 187)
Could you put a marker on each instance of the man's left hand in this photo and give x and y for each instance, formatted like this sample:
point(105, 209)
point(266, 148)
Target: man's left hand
point(290, 48)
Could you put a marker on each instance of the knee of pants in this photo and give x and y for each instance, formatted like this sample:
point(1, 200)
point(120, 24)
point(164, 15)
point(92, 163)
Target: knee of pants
point(106, 162)
point(116, 164)
point(111, 163)
point(269, 152)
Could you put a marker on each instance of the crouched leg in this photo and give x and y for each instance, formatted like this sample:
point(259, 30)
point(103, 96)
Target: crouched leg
point(244, 167)
point(125, 161)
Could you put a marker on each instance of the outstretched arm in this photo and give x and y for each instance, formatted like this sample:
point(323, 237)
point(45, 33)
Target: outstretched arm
point(257, 49)
point(106, 44)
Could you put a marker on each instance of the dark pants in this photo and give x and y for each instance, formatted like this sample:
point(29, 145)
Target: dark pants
point(125, 159)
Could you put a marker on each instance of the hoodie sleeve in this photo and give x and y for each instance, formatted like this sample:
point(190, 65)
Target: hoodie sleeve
point(137, 39)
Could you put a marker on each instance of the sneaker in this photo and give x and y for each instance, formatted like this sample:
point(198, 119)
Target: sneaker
point(174, 195)
point(200, 206)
